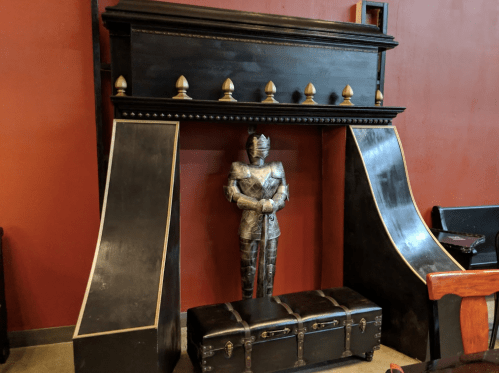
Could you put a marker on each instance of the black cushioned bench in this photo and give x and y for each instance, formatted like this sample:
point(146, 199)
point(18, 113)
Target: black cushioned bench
point(483, 220)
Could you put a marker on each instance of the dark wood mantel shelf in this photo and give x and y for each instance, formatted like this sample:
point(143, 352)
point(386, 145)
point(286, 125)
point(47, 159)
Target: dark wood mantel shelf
point(214, 111)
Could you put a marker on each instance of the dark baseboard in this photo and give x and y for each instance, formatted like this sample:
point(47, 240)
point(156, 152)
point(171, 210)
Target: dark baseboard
point(36, 337)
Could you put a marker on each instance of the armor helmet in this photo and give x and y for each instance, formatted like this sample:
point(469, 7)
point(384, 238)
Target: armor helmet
point(257, 146)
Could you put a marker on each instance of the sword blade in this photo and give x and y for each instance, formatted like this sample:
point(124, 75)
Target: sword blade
point(262, 265)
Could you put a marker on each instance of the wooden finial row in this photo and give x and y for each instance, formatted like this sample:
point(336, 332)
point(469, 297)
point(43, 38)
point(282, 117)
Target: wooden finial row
point(270, 89)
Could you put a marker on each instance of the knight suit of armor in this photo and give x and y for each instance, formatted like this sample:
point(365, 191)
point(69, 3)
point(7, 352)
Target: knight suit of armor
point(259, 189)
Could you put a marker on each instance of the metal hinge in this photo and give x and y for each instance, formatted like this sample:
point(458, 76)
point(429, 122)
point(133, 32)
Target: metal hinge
point(207, 351)
point(375, 348)
point(207, 369)
point(377, 335)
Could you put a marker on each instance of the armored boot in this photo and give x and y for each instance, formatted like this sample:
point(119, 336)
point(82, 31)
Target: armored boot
point(248, 250)
point(265, 284)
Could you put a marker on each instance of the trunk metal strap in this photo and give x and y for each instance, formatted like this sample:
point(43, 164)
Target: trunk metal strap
point(247, 340)
point(347, 323)
point(300, 332)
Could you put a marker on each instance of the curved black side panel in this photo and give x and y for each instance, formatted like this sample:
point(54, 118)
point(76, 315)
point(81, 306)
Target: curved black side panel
point(133, 293)
point(388, 248)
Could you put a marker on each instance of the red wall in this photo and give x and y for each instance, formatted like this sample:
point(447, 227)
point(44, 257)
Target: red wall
point(444, 71)
point(48, 171)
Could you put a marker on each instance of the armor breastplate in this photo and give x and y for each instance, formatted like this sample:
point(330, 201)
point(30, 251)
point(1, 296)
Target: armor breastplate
point(259, 183)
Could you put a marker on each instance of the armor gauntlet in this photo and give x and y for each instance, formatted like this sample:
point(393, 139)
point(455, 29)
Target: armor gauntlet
point(281, 196)
point(233, 194)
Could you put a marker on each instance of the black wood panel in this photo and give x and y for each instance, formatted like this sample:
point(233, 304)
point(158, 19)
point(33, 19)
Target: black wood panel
point(128, 352)
point(384, 163)
point(153, 43)
point(169, 328)
point(133, 299)
point(124, 289)
point(388, 250)
point(160, 59)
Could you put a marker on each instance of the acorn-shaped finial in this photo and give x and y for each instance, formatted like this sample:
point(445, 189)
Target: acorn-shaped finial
point(182, 86)
point(228, 88)
point(379, 98)
point(309, 92)
point(347, 95)
point(270, 91)
point(120, 86)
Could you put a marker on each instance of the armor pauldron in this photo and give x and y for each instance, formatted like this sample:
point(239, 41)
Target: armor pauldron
point(277, 170)
point(239, 170)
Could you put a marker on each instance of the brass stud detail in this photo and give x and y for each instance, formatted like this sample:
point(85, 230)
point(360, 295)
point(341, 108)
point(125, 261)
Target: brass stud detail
point(379, 98)
point(228, 88)
point(182, 86)
point(120, 85)
point(270, 91)
point(347, 96)
point(309, 92)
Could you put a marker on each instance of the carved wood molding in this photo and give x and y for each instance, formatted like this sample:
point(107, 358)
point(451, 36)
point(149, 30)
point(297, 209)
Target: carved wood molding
point(154, 14)
point(241, 112)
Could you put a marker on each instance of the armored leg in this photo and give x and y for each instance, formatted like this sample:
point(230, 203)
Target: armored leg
point(265, 284)
point(248, 250)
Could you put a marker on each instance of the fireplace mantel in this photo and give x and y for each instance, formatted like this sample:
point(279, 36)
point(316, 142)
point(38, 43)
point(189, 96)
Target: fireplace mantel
point(382, 247)
point(154, 43)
